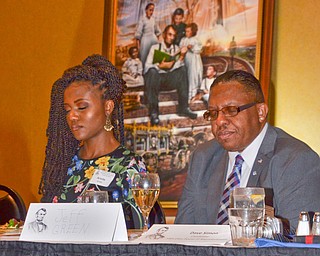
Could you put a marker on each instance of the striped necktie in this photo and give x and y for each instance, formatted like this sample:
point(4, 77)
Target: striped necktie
point(233, 181)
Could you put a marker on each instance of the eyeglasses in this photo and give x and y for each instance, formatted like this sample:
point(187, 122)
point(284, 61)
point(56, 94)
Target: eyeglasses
point(229, 111)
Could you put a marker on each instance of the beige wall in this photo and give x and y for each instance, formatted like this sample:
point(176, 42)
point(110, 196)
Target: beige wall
point(40, 39)
point(295, 73)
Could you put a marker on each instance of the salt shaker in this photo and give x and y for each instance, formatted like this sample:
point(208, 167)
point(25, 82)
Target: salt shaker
point(303, 228)
point(316, 224)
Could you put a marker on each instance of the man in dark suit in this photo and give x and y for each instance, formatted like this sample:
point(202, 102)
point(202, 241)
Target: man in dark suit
point(272, 158)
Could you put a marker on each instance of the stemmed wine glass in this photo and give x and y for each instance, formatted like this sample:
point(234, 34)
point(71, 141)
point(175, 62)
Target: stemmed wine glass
point(146, 189)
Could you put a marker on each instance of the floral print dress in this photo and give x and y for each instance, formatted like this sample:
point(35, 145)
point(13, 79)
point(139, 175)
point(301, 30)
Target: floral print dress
point(123, 163)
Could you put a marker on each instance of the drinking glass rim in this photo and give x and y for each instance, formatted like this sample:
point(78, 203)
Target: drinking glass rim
point(146, 173)
point(250, 188)
point(96, 191)
point(246, 208)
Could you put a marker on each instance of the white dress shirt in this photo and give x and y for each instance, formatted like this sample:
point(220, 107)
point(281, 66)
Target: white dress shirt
point(249, 155)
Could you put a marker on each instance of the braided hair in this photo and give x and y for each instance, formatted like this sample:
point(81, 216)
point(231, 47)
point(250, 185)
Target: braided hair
point(62, 145)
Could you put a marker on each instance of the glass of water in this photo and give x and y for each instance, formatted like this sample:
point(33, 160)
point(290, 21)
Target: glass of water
point(95, 197)
point(248, 197)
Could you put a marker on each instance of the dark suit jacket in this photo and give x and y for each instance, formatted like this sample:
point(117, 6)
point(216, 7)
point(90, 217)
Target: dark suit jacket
point(37, 227)
point(284, 164)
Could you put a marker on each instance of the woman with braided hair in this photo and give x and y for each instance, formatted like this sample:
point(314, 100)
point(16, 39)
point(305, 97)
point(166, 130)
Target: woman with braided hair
point(86, 136)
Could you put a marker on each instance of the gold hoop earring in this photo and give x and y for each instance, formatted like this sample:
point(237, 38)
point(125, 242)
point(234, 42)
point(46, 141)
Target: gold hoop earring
point(108, 126)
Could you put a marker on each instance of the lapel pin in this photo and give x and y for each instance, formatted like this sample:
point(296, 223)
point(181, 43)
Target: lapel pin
point(254, 173)
point(260, 160)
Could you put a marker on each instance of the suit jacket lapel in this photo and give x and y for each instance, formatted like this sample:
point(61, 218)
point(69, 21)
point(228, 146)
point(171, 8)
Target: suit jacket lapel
point(216, 185)
point(262, 161)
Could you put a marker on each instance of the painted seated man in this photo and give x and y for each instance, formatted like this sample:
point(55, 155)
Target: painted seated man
point(169, 73)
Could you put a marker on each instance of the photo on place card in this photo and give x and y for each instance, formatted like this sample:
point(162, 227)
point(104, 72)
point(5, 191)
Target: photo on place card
point(38, 225)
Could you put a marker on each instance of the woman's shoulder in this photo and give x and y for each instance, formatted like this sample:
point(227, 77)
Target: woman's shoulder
point(123, 151)
point(120, 152)
point(131, 158)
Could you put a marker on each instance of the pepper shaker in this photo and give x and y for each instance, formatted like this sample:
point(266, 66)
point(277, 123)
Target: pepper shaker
point(316, 224)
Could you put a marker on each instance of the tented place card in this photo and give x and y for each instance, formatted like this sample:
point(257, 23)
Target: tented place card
point(84, 222)
point(187, 234)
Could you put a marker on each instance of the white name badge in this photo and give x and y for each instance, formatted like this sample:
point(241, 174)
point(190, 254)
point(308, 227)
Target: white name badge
point(102, 178)
point(71, 222)
point(187, 234)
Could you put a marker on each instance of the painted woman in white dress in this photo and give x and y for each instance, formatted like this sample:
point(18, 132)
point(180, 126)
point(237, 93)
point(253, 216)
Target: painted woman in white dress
point(147, 33)
point(192, 59)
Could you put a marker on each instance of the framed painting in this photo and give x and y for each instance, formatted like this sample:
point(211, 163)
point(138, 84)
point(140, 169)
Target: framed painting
point(234, 34)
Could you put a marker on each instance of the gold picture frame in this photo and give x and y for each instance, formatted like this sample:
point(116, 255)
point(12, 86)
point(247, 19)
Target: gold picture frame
point(262, 49)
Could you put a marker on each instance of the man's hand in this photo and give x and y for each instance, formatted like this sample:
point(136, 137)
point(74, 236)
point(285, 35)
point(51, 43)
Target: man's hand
point(166, 65)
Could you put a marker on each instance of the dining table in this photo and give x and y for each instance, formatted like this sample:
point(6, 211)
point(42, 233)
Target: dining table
point(10, 245)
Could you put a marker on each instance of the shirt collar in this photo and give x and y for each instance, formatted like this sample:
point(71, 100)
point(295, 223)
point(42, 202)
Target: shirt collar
point(166, 49)
point(249, 154)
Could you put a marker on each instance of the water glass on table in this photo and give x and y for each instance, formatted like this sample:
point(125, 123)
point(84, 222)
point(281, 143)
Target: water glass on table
point(246, 218)
point(91, 196)
point(245, 225)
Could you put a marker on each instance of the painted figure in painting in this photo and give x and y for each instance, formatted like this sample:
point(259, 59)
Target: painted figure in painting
point(178, 24)
point(132, 69)
point(171, 74)
point(193, 58)
point(203, 93)
point(147, 32)
point(233, 51)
